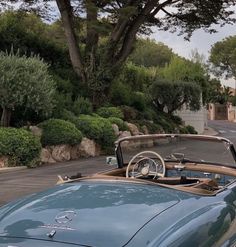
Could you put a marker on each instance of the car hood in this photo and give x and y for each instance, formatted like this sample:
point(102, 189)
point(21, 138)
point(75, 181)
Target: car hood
point(86, 213)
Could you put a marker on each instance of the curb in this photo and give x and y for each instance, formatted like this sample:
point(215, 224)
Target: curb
point(210, 131)
point(11, 169)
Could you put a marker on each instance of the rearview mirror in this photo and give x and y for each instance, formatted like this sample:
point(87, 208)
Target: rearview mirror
point(111, 160)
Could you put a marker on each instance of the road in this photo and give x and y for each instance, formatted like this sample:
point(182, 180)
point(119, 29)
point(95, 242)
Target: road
point(225, 128)
point(15, 184)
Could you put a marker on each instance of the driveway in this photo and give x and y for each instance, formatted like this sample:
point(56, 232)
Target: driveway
point(225, 129)
point(15, 184)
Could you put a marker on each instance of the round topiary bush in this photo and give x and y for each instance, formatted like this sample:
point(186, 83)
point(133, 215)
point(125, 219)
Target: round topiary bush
point(119, 122)
point(107, 112)
point(20, 146)
point(191, 129)
point(96, 128)
point(82, 106)
point(57, 131)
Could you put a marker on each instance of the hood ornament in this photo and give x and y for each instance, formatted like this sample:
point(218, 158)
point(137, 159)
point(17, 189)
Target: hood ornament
point(65, 217)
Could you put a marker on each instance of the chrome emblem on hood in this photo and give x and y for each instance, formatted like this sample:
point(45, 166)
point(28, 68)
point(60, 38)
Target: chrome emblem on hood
point(65, 217)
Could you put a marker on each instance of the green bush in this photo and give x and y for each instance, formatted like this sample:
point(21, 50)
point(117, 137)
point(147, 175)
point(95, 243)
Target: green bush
point(57, 131)
point(153, 128)
point(120, 94)
point(176, 119)
point(187, 130)
point(138, 101)
point(96, 128)
point(20, 146)
point(107, 112)
point(191, 129)
point(66, 115)
point(166, 122)
point(183, 130)
point(82, 106)
point(129, 112)
point(119, 122)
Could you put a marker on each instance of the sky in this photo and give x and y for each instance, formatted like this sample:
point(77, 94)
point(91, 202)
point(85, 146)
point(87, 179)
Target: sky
point(200, 40)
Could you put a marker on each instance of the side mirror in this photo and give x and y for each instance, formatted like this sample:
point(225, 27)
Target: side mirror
point(111, 160)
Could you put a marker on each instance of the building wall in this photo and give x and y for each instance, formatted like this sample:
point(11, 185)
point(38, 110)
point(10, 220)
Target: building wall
point(198, 119)
point(231, 112)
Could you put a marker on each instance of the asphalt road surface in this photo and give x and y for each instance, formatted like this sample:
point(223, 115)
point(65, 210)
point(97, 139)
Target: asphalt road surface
point(15, 184)
point(225, 129)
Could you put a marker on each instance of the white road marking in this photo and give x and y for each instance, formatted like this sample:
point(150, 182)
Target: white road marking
point(233, 131)
point(222, 131)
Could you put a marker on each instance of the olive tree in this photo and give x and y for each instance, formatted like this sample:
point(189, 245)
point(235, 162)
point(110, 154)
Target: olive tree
point(173, 95)
point(24, 82)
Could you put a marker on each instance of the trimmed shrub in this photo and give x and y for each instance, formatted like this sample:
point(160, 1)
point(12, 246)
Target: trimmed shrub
point(183, 130)
point(66, 115)
point(119, 122)
point(129, 112)
point(107, 112)
point(96, 128)
point(57, 131)
point(176, 119)
point(82, 106)
point(20, 146)
point(187, 130)
point(138, 101)
point(191, 129)
point(153, 128)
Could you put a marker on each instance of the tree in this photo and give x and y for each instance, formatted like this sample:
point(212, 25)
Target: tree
point(171, 96)
point(149, 53)
point(119, 22)
point(181, 69)
point(223, 57)
point(24, 82)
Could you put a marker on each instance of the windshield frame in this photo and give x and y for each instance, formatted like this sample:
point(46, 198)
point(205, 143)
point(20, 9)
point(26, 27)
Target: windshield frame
point(118, 150)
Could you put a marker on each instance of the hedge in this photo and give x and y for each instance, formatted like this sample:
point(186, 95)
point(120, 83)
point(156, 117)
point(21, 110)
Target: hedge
point(58, 131)
point(119, 122)
point(96, 128)
point(20, 146)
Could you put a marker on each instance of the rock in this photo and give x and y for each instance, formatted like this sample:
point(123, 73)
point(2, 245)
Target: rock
point(3, 161)
point(88, 148)
point(133, 129)
point(75, 152)
point(124, 134)
point(36, 131)
point(46, 156)
point(61, 152)
point(116, 129)
point(145, 130)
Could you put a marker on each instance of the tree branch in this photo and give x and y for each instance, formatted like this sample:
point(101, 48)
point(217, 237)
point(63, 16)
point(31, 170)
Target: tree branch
point(132, 31)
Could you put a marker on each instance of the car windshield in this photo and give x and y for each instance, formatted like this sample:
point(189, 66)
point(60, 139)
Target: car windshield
point(184, 148)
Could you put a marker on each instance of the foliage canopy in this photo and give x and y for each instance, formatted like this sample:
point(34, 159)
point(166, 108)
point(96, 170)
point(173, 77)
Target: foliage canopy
point(101, 34)
point(24, 82)
point(223, 57)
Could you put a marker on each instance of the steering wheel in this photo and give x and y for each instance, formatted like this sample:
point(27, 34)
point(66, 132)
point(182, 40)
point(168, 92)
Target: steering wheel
point(146, 166)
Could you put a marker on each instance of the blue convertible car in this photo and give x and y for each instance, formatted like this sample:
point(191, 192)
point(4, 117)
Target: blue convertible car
point(167, 190)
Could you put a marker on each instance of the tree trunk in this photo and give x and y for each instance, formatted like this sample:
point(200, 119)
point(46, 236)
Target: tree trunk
point(65, 9)
point(6, 117)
